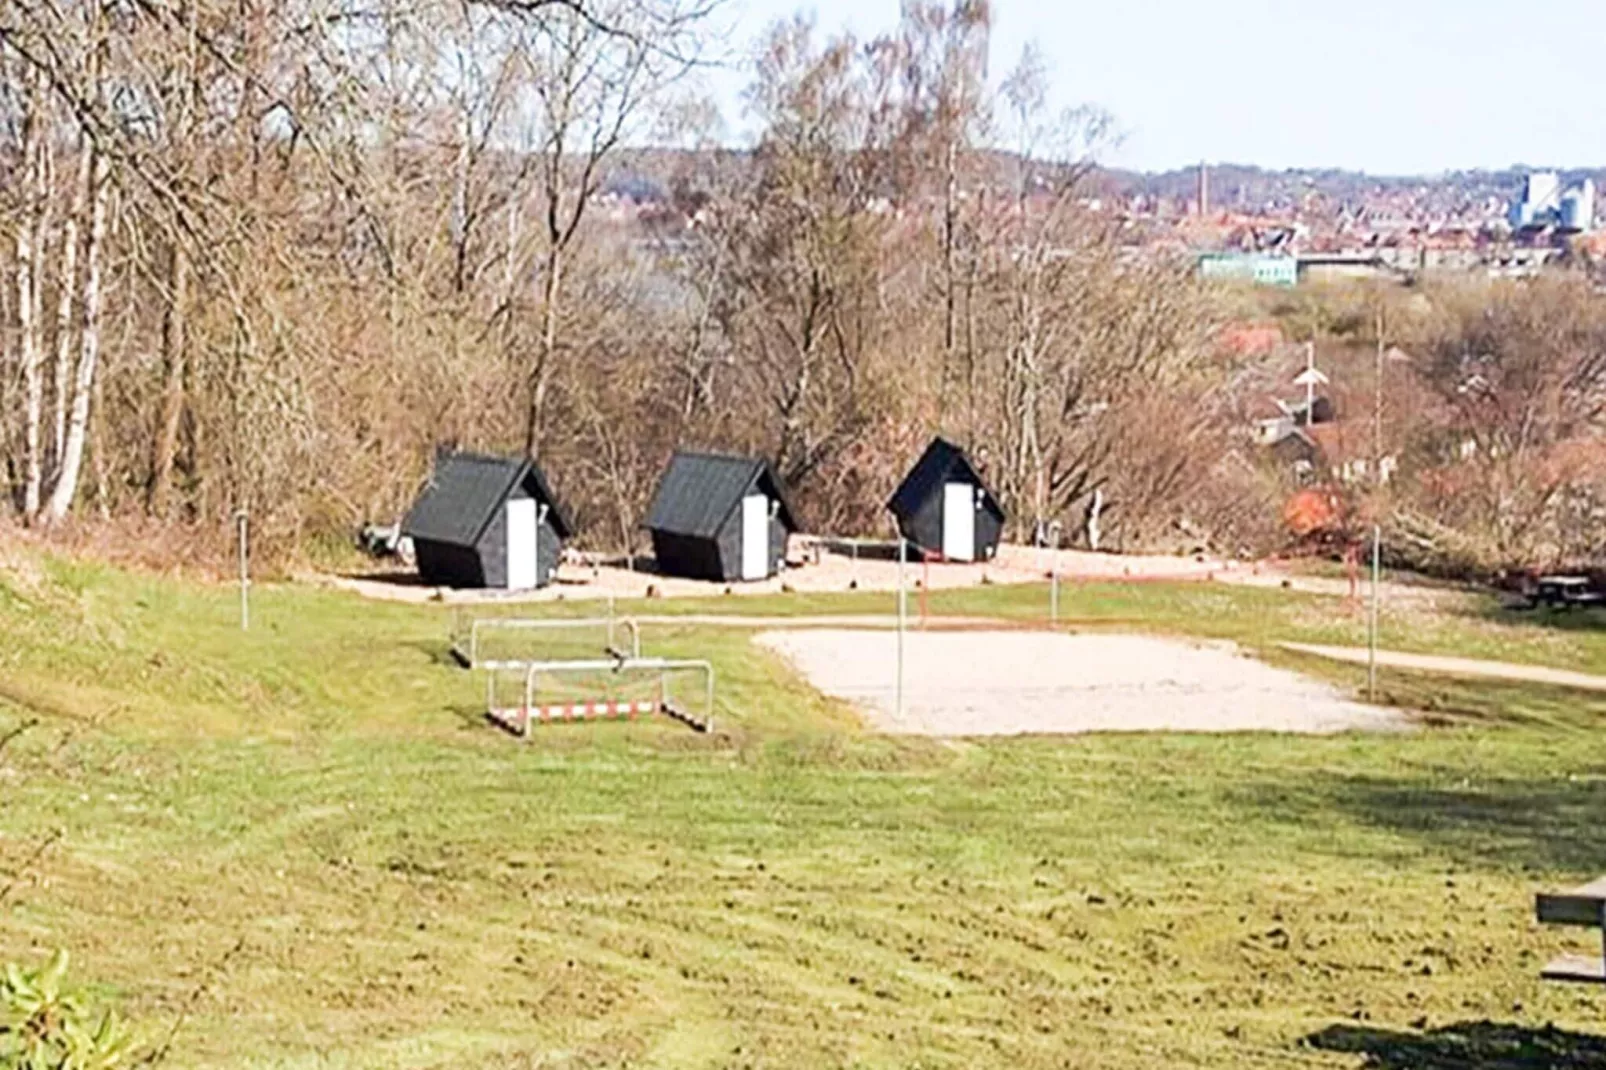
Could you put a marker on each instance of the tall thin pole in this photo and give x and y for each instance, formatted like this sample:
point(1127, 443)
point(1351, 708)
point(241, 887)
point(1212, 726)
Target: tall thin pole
point(1371, 631)
point(903, 613)
point(1377, 407)
point(242, 523)
point(1377, 513)
point(1053, 572)
point(1310, 384)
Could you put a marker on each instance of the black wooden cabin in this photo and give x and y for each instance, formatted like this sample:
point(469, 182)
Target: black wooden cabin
point(945, 510)
point(486, 522)
point(718, 517)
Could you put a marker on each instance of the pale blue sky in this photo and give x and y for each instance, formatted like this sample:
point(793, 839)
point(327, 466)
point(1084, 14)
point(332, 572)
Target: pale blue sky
point(1388, 86)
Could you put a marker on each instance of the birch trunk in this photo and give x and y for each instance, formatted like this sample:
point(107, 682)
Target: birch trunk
point(66, 293)
point(66, 488)
point(28, 342)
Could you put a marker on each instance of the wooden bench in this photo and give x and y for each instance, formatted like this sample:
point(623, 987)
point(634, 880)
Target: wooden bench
point(1583, 906)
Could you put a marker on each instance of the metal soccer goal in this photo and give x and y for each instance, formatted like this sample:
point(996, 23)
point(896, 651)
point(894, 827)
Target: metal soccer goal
point(568, 690)
point(494, 643)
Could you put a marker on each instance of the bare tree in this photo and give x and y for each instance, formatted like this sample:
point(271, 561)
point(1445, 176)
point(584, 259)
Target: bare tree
point(66, 295)
point(65, 489)
point(31, 234)
point(1508, 457)
point(594, 71)
point(944, 73)
point(803, 245)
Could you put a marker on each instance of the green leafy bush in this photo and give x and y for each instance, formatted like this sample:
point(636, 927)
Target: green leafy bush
point(46, 1026)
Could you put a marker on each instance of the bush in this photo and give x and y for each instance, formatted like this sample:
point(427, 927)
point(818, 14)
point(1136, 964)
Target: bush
point(46, 1026)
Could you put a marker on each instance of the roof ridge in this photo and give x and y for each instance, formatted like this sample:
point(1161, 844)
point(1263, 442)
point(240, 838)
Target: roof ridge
point(520, 467)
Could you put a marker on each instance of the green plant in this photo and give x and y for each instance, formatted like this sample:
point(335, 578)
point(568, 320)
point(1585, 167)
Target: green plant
point(46, 1026)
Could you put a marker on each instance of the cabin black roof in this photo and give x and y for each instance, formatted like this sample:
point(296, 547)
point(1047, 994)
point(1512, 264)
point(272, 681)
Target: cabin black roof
point(700, 490)
point(941, 462)
point(466, 490)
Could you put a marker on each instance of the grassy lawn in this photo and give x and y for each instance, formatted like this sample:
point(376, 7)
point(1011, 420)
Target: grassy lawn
point(305, 839)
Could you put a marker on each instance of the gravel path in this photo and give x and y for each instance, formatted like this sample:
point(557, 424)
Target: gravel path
point(1449, 666)
point(1012, 683)
point(833, 572)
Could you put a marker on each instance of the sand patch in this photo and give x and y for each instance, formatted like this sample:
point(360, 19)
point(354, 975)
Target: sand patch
point(1013, 683)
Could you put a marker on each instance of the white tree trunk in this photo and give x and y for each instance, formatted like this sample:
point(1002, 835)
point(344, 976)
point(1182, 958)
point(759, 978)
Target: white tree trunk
point(66, 292)
point(66, 488)
point(28, 342)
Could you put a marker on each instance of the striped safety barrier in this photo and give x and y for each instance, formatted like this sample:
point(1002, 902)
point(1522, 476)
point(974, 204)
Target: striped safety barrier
point(518, 718)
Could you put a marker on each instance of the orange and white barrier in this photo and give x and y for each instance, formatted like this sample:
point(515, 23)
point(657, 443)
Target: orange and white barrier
point(519, 718)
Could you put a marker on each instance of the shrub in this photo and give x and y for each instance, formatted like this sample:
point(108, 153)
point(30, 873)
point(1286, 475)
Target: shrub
point(46, 1026)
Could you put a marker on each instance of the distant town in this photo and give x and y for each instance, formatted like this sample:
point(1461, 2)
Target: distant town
point(1265, 227)
point(1282, 228)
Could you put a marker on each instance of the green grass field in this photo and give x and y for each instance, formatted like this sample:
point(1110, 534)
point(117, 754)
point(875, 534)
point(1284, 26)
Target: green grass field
point(306, 842)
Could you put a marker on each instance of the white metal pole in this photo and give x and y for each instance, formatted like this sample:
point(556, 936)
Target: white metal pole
point(242, 522)
point(1310, 384)
point(1377, 525)
point(903, 613)
point(1054, 572)
point(1371, 641)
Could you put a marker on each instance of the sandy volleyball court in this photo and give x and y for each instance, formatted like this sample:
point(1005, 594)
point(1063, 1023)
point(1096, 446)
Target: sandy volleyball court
point(1013, 683)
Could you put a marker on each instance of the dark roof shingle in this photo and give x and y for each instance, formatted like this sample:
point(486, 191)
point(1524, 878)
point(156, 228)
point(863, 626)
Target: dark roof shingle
point(700, 490)
point(464, 492)
point(941, 461)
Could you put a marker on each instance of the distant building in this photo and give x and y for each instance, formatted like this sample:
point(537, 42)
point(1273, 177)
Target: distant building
point(1578, 208)
point(1258, 268)
point(1545, 204)
point(1541, 196)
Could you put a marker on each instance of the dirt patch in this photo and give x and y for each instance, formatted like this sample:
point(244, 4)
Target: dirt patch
point(876, 569)
point(1014, 683)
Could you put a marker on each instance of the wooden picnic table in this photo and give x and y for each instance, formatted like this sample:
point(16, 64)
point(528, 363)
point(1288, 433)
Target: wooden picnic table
point(1584, 906)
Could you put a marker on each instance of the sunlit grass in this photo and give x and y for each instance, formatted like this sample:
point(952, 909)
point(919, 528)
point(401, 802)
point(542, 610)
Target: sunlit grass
point(407, 887)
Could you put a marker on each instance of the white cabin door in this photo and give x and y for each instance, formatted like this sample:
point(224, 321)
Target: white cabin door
point(521, 544)
point(959, 521)
point(755, 537)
